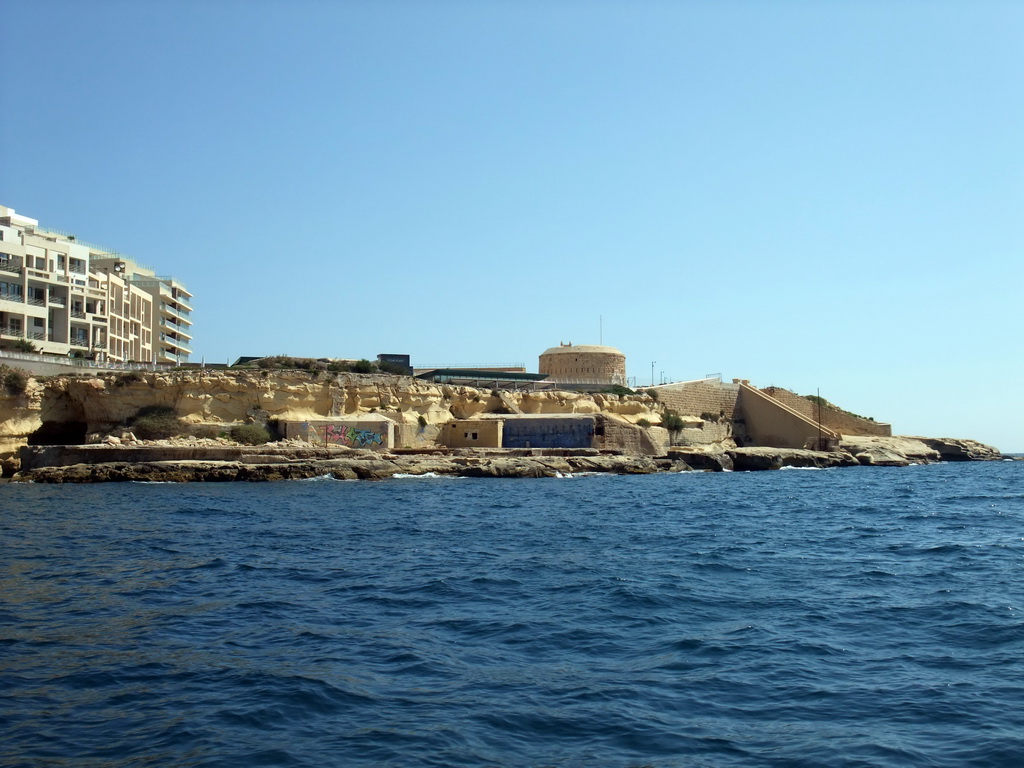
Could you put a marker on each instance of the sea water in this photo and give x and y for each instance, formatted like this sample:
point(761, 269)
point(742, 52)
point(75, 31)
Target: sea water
point(845, 617)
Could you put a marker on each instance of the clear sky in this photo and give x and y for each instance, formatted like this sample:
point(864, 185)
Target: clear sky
point(814, 195)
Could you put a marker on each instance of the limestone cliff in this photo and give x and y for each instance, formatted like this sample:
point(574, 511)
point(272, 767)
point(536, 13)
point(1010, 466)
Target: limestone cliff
point(90, 405)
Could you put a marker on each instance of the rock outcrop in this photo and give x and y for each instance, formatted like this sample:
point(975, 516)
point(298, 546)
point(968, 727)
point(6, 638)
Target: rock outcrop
point(96, 464)
point(94, 405)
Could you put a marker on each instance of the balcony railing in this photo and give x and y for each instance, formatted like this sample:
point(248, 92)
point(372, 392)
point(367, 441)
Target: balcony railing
point(176, 312)
point(35, 302)
point(14, 269)
point(172, 345)
point(10, 297)
point(83, 343)
point(78, 313)
point(174, 327)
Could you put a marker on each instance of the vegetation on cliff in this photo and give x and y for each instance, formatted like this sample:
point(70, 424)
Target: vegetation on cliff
point(14, 380)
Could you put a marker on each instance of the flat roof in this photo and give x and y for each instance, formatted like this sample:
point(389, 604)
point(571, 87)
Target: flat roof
point(482, 375)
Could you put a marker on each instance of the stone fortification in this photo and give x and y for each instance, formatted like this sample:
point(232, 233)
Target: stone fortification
point(706, 398)
point(584, 363)
point(833, 418)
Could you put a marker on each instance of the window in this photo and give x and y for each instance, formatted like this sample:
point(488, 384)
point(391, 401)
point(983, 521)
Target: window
point(10, 291)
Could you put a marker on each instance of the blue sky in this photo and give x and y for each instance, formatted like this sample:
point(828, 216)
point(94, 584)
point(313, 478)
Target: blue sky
point(814, 195)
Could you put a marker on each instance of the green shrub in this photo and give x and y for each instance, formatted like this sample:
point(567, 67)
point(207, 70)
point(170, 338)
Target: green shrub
point(422, 421)
point(157, 422)
point(643, 423)
point(653, 394)
point(15, 380)
point(337, 366)
point(250, 434)
point(392, 368)
point(124, 379)
point(618, 389)
point(672, 421)
point(24, 345)
point(362, 366)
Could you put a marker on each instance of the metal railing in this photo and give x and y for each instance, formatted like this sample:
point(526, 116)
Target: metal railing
point(177, 312)
point(495, 368)
point(10, 297)
point(62, 360)
point(14, 269)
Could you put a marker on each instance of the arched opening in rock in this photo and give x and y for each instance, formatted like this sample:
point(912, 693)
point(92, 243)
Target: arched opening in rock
point(59, 433)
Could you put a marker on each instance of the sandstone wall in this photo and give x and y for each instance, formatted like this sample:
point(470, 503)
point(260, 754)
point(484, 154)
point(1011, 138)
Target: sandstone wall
point(709, 433)
point(772, 423)
point(578, 365)
point(695, 398)
point(373, 434)
point(831, 417)
point(472, 433)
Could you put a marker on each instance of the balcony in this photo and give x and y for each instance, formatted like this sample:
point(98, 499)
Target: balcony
point(6, 266)
point(78, 314)
point(174, 327)
point(12, 298)
point(174, 344)
point(169, 310)
point(35, 302)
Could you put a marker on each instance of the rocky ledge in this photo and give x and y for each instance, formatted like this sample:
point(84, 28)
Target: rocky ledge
point(851, 452)
point(208, 461)
point(251, 465)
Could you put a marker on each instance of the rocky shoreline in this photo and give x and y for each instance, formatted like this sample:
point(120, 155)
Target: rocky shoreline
point(213, 461)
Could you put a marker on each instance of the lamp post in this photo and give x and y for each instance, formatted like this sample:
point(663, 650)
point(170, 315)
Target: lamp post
point(652, 372)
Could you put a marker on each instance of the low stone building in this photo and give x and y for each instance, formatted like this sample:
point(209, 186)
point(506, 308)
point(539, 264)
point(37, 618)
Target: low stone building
point(376, 434)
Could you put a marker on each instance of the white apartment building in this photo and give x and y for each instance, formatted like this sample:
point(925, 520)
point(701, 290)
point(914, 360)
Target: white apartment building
point(66, 297)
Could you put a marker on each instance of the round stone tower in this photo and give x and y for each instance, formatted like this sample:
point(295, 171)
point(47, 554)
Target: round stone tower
point(585, 363)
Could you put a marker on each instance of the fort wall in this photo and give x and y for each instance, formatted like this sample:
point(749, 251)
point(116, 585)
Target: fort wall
point(695, 398)
point(831, 417)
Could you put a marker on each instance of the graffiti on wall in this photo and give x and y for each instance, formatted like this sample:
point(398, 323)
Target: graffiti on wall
point(341, 434)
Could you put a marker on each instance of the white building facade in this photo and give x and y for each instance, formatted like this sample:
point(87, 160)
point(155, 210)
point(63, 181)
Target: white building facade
point(64, 297)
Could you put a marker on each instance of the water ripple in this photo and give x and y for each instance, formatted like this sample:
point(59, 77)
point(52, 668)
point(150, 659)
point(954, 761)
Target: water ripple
point(841, 618)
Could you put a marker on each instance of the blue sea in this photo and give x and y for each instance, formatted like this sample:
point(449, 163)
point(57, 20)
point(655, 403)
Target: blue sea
point(842, 617)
